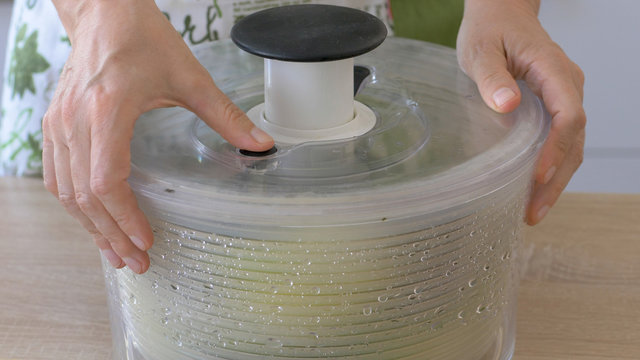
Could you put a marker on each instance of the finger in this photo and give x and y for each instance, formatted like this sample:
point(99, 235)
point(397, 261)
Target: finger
point(222, 115)
point(544, 196)
point(110, 167)
point(498, 88)
point(65, 190)
point(48, 164)
point(563, 100)
point(107, 252)
point(80, 157)
point(578, 79)
point(68, 200)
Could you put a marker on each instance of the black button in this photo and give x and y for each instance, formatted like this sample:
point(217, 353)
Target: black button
point(271, 151)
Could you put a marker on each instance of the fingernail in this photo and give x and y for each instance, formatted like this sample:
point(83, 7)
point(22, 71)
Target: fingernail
point(549, 174)
point(112, 257)
point(260, 136)
point(502, 96)
point(133, 264)
point(138, 243)
point(543, 212)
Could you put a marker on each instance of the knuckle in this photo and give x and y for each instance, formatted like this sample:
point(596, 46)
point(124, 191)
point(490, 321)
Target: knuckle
point(46, 119)
point(231, 114)
point(120, 246)
point(580, 119)
point(578, 150)
point(68, 201)
point(492, 78)
point(562, 144)
point(557, 189)
point(579, 157)
point(100, 241)
point(100, 95)
point(101, 186)
point(123, 219)
point(50, 184)
point(84, 200)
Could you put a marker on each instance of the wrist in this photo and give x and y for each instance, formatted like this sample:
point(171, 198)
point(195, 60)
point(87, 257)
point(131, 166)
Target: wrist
point(532, 6)
point(80, 16)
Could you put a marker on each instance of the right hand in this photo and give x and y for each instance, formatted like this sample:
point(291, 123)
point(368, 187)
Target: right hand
point(126, 59)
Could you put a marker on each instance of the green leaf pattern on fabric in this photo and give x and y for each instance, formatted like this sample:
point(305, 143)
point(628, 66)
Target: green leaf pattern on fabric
point(32, 144)
point(25, 61)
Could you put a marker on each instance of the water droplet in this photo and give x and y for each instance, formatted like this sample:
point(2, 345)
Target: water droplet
point(366, 311)
point(383, 298)
point(316, 290)
point(486, 267)
point(461, 315)
point(167, 311)
point(165, 321)
point(480, 308)
point(412, 297)
point(473, 282)
point(273, 342)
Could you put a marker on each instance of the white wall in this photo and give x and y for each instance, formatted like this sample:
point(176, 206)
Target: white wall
point(602, 36)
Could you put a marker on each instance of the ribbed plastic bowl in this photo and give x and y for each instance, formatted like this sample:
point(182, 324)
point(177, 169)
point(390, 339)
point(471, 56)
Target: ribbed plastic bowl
point(399, 244)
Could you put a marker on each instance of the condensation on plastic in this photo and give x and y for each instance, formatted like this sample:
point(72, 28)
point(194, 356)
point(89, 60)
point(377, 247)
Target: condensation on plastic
point(398, 244)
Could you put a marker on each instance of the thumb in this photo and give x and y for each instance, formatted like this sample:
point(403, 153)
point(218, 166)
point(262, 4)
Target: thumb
point(497, 86)
point(222, 115)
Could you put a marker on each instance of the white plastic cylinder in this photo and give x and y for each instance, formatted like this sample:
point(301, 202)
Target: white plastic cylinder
point(309, 96)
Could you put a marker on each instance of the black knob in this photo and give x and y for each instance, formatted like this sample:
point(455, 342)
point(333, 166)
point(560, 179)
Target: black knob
point(309, 33)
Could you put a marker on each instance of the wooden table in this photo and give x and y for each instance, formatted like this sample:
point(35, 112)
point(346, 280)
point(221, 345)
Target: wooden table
point(579, 299)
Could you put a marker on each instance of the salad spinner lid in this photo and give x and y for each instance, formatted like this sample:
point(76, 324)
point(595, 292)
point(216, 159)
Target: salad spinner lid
point(435, 146)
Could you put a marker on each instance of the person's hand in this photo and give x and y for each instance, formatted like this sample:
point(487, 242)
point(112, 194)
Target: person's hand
point(500, 40)
point(126, 59)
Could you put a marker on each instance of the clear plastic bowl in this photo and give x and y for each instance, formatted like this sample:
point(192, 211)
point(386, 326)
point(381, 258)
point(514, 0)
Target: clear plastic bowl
point(398, 244)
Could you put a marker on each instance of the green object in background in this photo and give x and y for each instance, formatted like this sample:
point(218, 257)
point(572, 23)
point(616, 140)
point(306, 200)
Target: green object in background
point(435, 21)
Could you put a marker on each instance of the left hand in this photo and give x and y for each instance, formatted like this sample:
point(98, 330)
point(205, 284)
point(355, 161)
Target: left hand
point(501, 40)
